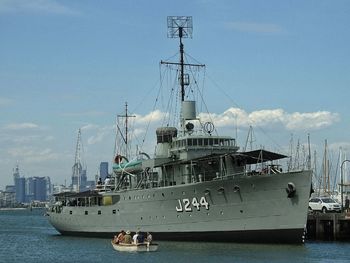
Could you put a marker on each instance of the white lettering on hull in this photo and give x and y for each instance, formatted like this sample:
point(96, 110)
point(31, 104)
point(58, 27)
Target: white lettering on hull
point(188, 206)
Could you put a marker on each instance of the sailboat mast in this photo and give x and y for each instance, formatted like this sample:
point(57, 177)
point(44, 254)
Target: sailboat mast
point(126, 123)
point(309, 153)
point(325, 169)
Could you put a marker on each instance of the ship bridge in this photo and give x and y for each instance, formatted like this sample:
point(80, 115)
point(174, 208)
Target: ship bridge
point(191, 147)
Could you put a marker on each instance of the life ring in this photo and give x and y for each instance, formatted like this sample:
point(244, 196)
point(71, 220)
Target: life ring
point(291, 189)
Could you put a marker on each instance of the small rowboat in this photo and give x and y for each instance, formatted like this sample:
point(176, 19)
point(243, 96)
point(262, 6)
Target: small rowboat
point(141, 247)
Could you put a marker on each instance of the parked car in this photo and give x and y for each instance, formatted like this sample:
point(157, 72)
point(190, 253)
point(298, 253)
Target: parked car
point(324, 204)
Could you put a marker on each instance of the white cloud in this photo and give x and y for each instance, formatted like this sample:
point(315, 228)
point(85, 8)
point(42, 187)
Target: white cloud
point(345, 146)
point(5, 102)
point(153, 116)
point(48, 138)
point(38, 6)
point(21, 126)
point(89, 126)
point(261, 28)
point(313, 120)
point(273, 118)
point(32, 155)
point(84, 114)
point(100, 135)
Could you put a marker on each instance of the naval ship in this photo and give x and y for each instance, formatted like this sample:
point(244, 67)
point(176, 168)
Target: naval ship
point(198, 185)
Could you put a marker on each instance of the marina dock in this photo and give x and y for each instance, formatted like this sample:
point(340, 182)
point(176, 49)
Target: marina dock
point(328, 226)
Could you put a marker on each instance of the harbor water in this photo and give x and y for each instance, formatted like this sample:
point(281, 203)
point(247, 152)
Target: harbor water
point(26, 236)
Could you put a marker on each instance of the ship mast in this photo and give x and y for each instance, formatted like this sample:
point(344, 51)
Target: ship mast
point(125, 135)
point(181, 27)
point(182, 82)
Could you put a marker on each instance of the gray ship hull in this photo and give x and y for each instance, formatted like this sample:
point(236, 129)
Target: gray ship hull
point(236, 209)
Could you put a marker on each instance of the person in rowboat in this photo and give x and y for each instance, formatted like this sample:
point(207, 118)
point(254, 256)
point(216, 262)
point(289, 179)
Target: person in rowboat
point(127, 238)
point(120, 237)
point(149, 238)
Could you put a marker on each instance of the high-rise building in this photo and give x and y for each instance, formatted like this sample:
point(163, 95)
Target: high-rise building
point(26, 190)
point(79, 178)
point(30, 189)
point(40, 189)
point(10, 188)
point(20, 186)
point(103, 170)
point(16, 174)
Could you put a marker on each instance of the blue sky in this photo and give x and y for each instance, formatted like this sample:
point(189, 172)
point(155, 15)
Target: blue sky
point(281, 66)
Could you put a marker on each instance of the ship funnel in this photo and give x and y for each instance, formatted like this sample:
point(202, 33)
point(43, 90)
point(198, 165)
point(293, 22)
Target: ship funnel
point(189, 110)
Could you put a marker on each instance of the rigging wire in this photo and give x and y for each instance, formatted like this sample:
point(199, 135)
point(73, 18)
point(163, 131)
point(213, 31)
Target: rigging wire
point(200, 94)
point(161, 79)
point(250, 122)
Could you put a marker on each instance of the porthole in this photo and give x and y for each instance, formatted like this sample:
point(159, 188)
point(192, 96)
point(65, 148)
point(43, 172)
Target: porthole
point(99, 212)
point(114, 212)
point(86, 212)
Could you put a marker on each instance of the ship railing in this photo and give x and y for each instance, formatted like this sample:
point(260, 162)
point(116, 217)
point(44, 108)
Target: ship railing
point(265, 171)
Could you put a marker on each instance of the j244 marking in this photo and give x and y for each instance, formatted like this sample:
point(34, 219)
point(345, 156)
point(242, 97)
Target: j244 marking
point(186, 204)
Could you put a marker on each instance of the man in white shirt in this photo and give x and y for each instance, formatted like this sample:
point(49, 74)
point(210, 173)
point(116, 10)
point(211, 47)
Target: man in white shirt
point(134, 238)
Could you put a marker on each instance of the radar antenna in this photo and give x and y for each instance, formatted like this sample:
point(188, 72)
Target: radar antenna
point(181, 27)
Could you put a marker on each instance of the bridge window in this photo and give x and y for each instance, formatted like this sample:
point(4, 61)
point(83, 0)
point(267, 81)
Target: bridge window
point(189, 142)
point(206, 141)
point(194, 142)
point(182, 143)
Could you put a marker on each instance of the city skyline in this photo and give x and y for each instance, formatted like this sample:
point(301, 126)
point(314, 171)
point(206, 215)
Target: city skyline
point(281, 67)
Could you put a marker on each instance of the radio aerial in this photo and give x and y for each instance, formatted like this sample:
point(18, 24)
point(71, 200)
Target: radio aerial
point(180, 27)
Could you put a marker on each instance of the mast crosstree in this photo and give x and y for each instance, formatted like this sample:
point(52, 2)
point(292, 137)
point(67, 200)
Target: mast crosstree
point(181, 27)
